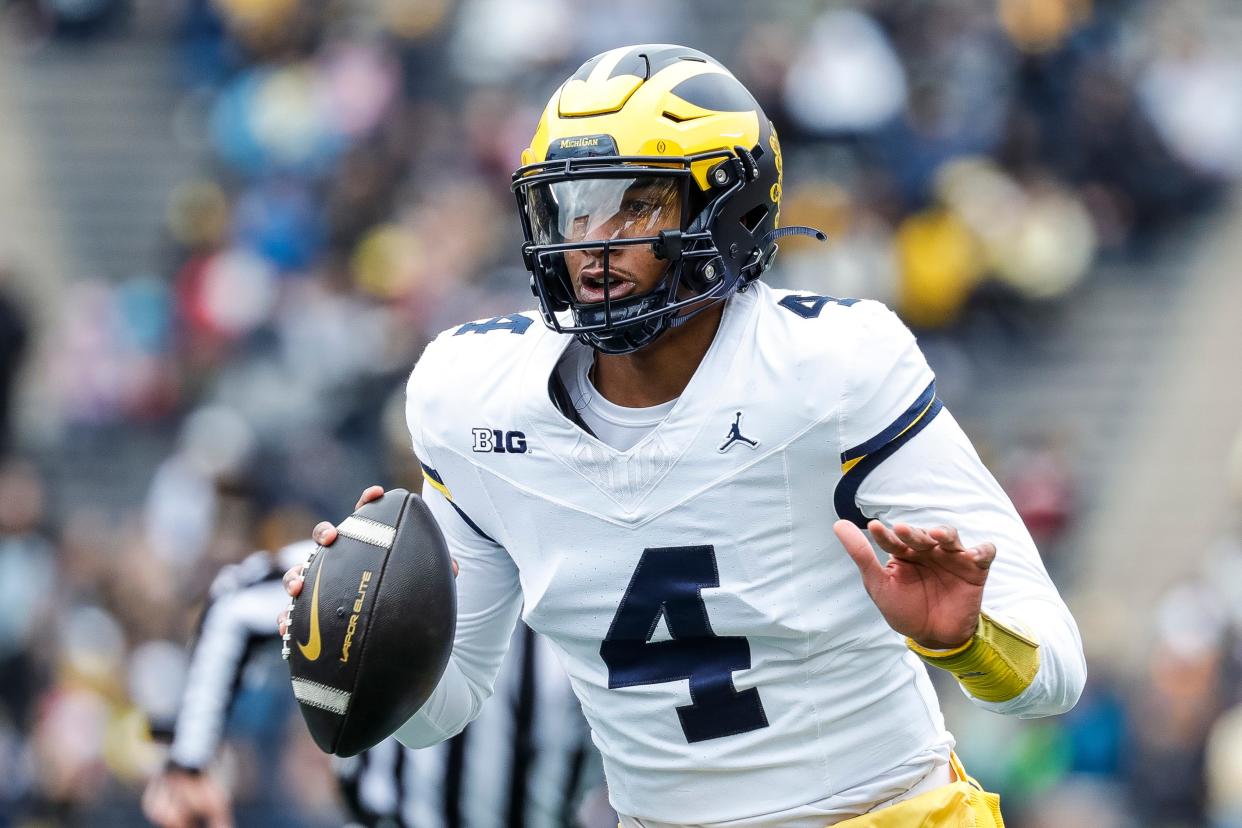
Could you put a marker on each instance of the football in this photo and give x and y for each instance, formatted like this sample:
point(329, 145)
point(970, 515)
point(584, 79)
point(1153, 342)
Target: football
point(372, 629)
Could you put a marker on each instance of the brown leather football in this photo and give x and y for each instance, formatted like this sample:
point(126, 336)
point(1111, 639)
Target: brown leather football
point(371, 632)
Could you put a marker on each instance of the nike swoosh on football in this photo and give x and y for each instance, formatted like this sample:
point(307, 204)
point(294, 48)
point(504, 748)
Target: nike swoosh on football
point(312, 646)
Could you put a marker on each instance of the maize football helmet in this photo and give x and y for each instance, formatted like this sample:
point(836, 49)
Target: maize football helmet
point(668, 129)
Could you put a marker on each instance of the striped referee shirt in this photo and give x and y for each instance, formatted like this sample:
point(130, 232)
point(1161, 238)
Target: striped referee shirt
point(526, 762)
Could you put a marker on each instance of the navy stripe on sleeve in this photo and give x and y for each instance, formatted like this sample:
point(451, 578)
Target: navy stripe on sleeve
point(844, 498)
point(899, 425)
point(437, 482)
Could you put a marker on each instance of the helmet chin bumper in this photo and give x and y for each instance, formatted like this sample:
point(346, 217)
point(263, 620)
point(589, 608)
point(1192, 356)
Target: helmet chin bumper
point(622, 338)
point(618, 326)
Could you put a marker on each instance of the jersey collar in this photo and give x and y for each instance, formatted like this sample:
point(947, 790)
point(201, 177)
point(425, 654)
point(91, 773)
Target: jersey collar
point(736, 324)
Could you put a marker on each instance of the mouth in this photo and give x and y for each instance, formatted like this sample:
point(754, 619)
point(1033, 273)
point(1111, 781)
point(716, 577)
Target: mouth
point(591, 287)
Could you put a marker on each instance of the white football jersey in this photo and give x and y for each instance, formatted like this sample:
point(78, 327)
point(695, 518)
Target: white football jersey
point(731, 665)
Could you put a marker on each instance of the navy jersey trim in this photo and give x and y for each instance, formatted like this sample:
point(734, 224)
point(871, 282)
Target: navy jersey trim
point(858, 466)
point(437, 482)
point(907, 418)
point(561, 399)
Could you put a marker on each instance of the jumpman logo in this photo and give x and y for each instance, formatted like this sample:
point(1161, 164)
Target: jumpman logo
point(735, 436)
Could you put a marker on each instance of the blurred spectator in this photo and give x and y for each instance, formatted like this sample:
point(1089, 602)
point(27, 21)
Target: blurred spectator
point(1177, 705)
point(1224, 770)
point(186, 499)
point(27, 581)
point(14, 336)
point(1038, 480)
point(73, 19)
point(1189, 90)
point(1041, 25)
point(846, 79)
point(1233, 473)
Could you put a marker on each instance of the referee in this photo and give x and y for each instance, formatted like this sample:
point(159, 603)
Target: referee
point(526, 762)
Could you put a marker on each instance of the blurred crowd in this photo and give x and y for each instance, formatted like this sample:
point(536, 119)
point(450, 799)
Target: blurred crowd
point(970, 162)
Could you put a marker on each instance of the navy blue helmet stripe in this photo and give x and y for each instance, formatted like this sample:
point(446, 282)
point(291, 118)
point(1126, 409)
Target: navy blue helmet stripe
point(585, 69)
point(716, 92)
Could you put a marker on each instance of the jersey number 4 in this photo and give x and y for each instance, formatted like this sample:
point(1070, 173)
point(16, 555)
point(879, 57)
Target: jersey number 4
point(809, 307)
point(668, 582)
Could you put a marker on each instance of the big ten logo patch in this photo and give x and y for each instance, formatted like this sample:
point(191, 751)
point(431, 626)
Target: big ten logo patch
point(499, 442)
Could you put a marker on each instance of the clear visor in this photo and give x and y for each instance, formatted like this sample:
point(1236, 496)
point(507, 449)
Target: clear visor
point(601, 209)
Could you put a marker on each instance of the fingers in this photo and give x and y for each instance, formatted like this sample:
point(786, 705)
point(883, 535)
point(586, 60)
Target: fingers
point(905, 539)
point(156, 805)
point(914, 537)
point(887, 540)
point(945, 540)
point(148, 801)
point(947, 537)
point(983, 555)
point(216, 808)
point(162, 806)
point(859, 550)
point(911, 543)
point(293, 580)
point(368, 494)
point(208, 801)
point(324, 533)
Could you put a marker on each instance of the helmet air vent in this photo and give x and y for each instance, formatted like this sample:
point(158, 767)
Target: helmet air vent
point(754, 217)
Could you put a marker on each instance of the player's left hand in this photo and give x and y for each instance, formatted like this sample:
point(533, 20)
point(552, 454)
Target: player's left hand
point(931, 589)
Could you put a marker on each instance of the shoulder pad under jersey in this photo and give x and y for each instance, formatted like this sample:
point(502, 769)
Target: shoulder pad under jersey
point(470, 368)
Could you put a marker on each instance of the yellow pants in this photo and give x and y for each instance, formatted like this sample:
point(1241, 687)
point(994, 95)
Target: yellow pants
point(960, 804)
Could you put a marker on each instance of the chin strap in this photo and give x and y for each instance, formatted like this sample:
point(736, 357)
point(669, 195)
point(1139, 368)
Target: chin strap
point(795, 230)
point(773, 235)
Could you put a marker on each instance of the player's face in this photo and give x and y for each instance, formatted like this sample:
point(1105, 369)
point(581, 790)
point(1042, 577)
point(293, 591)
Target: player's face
point(599, 210)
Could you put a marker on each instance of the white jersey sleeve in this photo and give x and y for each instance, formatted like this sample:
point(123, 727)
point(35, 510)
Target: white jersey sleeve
point(489, 595)
point(888, 381)
point(915, 465)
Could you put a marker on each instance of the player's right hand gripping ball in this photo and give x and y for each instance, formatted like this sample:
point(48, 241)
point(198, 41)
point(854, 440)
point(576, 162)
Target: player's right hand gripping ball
point(372, 630)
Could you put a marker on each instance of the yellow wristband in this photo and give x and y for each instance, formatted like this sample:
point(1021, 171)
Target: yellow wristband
point(995, 665)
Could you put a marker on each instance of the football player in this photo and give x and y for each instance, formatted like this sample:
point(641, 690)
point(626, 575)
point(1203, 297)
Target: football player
point(680, 476)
